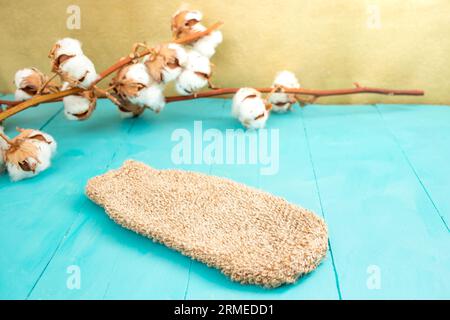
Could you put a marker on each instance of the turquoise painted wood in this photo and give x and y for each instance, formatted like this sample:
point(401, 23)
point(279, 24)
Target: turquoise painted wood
point(376, 174)
point(380, 217)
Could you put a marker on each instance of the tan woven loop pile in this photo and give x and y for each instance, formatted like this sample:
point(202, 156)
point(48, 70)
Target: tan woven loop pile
point(251, 236)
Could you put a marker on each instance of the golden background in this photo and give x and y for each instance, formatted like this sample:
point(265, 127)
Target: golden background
point(327, 43)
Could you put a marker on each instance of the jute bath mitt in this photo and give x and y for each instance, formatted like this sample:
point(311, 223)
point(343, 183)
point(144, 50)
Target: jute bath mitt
point(251, 236)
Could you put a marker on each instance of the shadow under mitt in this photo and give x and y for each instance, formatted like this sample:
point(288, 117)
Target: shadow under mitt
point(251, 236)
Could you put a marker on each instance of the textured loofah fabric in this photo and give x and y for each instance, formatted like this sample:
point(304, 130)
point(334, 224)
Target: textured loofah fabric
point(251, 236)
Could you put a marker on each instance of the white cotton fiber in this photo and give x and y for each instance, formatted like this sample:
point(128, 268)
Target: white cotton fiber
point(19, 77)
point(22, 75)
point(51, 143)
point(282, 102)
point(171, 74)
point(74, 105)
point(151, 97)
point(193, 15)
point(207, 45)
point(195, 74)
point(20, 95)
point(80, 68)
point(250, 109)
point(240, 96)
point(138, 73)
point(198, 63)
point(68, 46)
point(189, 82)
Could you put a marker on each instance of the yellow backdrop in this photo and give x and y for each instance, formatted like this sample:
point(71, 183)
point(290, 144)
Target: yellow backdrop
point(327, 43)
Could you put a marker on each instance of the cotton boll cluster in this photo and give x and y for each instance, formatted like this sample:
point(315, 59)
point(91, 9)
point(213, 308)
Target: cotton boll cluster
point(29, 81)
point(134, 84)
point(70, 62)
point(80, 106)
point(282, 102)
point(28, 154)
point(195, 75)
point(187, 22)
point(250, 109)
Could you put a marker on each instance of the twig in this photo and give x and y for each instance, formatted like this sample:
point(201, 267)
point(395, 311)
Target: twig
point(211, 93)
point(37, 100)
point(302, 91)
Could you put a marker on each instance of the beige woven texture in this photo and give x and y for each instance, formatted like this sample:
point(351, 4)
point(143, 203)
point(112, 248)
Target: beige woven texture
point(251, 236)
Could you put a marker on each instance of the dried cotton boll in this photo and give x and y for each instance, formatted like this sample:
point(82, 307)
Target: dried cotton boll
point(29, 153)
point(22, 92)
point(78, 107)
point(195, 75)
point(151, 97)
point(165, 65)
point(66, 47)
point(134, 84)
point(29, 81)
point(249, 108)
point(79, 70)
point(282, 102)
point(187, 22)
point(172, 71)
point(71, 64)
point(183, 22)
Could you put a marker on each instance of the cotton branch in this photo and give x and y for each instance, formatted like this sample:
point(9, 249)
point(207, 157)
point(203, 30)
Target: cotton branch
point(308, 92)
point(14, 107)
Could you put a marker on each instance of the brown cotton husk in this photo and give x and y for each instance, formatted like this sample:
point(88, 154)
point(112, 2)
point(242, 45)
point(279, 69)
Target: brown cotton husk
point(163, 57)
point(35, 82)
point(56, 61)
point(125, 87)
point(126, 106)
point(182, 27)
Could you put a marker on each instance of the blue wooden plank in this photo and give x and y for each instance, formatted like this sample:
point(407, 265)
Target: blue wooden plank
point(294, 180)
point(123, 264)
point(381, 222)
point(40, 211)
point(34, 118)
point(423, 134)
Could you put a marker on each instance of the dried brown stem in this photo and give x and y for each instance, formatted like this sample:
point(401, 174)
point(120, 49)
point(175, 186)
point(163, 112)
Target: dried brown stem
point(302, 91)
point(211, 93)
